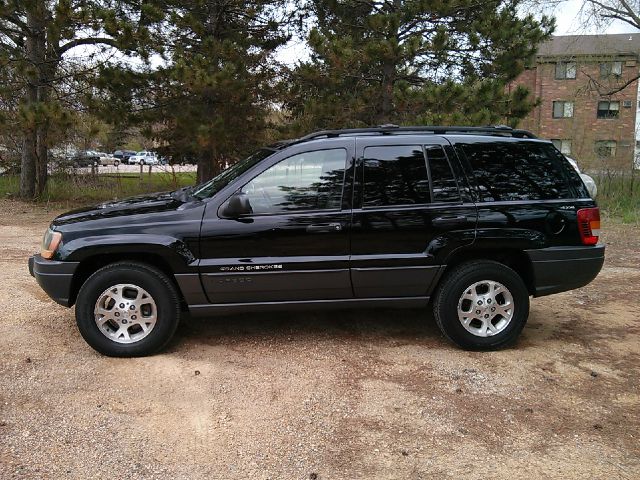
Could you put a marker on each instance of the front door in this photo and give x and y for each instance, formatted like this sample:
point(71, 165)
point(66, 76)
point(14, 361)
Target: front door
point(295, 244)
point(409, 213)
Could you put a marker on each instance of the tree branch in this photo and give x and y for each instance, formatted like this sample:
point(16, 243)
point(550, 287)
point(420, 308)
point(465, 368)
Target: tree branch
point(87, 41)
point(612, 91)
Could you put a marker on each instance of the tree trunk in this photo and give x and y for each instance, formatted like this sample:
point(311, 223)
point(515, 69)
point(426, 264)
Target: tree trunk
point(205, 167)
point(28, 165)
point(34, 143)
point(42, 160)
point(386, 100)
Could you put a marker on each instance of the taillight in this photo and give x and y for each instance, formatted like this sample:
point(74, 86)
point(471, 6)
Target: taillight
point(589, 225)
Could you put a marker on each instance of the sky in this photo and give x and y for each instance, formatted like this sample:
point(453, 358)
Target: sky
point(569, 21)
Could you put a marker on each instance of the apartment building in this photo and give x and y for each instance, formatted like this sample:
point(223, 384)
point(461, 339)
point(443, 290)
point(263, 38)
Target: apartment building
point(588, 91)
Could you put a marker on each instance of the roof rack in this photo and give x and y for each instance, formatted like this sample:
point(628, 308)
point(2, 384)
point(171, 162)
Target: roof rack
point(388, 129)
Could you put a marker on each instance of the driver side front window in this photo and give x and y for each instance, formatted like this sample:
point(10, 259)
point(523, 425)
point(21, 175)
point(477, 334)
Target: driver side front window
point(305, 182)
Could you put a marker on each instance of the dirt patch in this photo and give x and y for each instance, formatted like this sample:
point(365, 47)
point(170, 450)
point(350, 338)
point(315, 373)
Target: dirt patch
point(368, 394)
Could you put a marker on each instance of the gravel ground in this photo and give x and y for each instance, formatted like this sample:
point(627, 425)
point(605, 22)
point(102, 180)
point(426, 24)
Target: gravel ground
point(369, 394)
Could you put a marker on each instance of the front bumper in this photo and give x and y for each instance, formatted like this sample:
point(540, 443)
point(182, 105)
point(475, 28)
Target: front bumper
point(54, 277)
point(558, 269)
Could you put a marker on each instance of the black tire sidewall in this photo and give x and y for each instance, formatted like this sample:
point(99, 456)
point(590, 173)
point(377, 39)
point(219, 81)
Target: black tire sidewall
point(446, 305)
point(159, 288)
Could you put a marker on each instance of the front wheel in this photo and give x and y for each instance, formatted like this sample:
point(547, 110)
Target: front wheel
point(116, 163)
point(481, 305)
point(127, 309)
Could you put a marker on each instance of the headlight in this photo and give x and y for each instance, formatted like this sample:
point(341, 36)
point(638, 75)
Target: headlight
point(50, 243)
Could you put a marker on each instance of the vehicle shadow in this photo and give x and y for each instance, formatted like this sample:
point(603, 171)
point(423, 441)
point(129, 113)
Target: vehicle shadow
point(370, 325)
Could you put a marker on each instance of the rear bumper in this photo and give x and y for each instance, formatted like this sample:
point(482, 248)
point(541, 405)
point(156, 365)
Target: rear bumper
point(54, 277)
point(558, 269)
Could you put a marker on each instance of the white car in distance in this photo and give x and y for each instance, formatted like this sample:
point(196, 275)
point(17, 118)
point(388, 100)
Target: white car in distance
point(143, 158)
point(108, 159)
point(589, 182)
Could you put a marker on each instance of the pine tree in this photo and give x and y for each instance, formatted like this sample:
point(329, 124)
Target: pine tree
point(45, 45)
point(211, 100)
point(414, 61)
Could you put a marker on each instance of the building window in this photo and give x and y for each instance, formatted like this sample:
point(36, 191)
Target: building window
point(562, 109)
point(609, 69)
point(606, 148)
point(563, 145)
point(608, 109)
point(565, 70)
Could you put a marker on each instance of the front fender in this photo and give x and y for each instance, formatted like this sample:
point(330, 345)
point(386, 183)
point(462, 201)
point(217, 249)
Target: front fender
point(172, 250)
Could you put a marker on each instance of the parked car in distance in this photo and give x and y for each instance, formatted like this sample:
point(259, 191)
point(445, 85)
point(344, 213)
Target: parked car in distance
point(143, 158)
point(123, 155)
point(589, 182)
point(108, 159)
point(471, 221)
point(85, 158)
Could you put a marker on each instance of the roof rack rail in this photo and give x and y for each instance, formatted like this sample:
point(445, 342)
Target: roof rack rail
point(436, 130)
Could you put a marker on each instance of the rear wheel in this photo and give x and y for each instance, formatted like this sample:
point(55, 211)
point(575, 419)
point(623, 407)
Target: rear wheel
point(481, 305)
point(127, 310)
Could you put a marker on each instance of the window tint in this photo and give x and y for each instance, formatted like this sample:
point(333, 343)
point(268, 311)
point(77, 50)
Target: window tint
point(518, 171)
point(445, 188)
point(307, 181)
point(395, 175)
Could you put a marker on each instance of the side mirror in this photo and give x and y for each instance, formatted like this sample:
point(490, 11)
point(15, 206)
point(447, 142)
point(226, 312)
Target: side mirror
point(237, 206)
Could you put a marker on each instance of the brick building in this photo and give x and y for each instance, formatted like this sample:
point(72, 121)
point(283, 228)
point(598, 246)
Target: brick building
point(577, 78)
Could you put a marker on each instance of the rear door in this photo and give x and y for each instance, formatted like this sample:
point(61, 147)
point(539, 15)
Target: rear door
point(410, 212)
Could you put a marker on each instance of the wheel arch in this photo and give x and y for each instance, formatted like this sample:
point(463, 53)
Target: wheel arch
point(513, 258)
point(93, 263)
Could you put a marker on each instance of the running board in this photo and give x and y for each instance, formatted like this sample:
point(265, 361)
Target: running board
point(226, 308)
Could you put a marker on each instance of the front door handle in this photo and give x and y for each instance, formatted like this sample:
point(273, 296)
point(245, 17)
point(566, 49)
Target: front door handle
point(449, 220)
point(324, 227)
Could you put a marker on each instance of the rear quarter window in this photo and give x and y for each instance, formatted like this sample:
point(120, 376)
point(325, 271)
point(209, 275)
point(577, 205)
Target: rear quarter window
point(508, 171)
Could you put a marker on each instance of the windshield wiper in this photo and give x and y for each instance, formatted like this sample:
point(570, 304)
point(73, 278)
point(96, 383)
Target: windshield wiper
point(183, 194)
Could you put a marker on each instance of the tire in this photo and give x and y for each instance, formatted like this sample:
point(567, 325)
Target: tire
point(477, 284)
point(156, 308)
point(141, 162)
point(116, 163)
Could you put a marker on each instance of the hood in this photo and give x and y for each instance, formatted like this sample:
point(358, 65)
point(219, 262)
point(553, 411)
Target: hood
point(141, 204)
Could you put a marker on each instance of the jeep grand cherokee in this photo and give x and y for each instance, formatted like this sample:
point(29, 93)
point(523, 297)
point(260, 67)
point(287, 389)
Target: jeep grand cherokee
point(473, 221)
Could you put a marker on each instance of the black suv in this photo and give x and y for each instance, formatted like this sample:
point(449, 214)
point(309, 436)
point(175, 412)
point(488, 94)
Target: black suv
point(473, 220)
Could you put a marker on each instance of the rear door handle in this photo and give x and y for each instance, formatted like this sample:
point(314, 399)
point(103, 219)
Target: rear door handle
point(449, 220)
point(324, 227)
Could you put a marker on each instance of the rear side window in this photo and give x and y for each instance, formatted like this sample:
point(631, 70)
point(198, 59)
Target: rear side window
point(445, 187)
point(395, 175)
point(517, 171)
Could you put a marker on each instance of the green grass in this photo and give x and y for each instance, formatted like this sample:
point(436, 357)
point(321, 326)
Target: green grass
point(619, 195)
point(83, 189)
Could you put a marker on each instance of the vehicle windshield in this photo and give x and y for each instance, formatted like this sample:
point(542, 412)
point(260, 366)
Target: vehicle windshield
point(216, 184)
point(141, 153)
